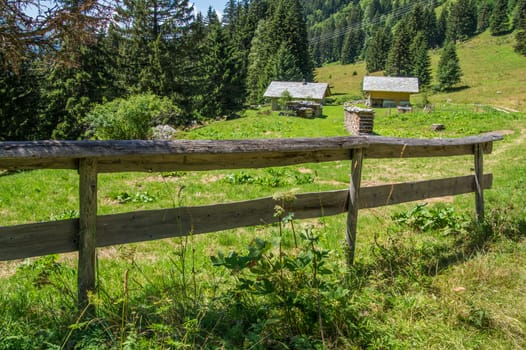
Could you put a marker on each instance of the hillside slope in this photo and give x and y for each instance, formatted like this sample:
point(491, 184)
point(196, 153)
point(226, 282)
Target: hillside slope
point(493, 74)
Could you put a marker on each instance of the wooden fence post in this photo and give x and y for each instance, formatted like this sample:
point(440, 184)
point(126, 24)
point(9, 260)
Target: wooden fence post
point(354, 196)
point(479, 189)
point(87, 231)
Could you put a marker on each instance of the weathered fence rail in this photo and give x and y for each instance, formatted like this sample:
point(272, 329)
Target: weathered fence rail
point(93, 157)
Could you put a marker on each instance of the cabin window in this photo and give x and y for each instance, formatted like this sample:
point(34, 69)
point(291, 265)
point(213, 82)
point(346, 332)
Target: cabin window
point(375, 102)
point(389, 104)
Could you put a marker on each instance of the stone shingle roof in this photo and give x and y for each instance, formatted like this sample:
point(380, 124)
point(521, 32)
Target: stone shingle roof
point(391, 84)
point(299, 90)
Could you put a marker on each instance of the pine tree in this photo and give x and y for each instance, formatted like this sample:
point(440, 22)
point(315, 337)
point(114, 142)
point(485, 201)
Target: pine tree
point(20, 94)
point(399, 58)
point(442, 26)
point(462, 20)
point(352, 46)
point(520, 37)
point(70, 92)
point(484, 15)
point(315, 48)
point(353, 41)
point(326, 44)
point(337, 41)
point(221, 85)
point(499, 21)
point(378, 49)
point(374, 10)
point(520, 13)
point(421, 60)
point(288, 26)
point(260, 54)
point(449, 71)
point(430, 27)
point(154, 44)
point(285, 67)
point(415, 20)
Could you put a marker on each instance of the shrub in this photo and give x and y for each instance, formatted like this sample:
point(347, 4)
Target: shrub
point(131, 118)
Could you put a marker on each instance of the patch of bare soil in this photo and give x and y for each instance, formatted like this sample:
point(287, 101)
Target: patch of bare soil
point(305, 171)
point(8, 268)
point(500, 132)
point(331, 182)
point(504, 147)
point(207, 179)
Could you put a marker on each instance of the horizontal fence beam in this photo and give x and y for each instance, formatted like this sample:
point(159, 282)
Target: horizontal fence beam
point(37, 239)
point(187, 155)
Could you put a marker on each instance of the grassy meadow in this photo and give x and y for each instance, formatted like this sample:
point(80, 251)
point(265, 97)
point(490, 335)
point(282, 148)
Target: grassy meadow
point(426, 275)
point(493, 74)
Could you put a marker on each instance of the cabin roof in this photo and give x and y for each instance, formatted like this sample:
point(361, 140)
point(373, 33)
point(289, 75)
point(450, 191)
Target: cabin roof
point(390, 84)
point(298, 90)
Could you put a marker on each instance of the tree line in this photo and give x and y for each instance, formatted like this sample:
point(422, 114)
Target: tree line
point(367, 30)
point(75, 68)
point(159, 54)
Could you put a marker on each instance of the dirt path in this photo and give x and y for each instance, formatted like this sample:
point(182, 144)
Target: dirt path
point(501, 147)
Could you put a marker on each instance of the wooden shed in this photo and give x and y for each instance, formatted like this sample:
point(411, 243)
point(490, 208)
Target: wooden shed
point(315, 92)
point(389, 91)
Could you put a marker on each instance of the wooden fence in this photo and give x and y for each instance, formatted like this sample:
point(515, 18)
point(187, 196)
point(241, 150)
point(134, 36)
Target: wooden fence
point(93, 157)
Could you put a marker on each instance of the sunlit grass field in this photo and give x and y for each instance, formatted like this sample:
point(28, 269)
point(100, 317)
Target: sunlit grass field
point(408, 288)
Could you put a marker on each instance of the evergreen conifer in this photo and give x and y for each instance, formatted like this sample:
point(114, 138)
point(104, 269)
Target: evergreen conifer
point(399, 58)
point(520, 37)
point(421, 60)
point(378, 49)
point(499, 22)
point(449, 71)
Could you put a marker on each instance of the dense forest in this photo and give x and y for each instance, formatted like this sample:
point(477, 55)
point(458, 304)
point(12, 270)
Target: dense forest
point(71, 71)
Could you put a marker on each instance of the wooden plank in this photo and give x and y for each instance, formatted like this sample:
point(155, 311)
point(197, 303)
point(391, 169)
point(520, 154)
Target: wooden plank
point(137, 155)
point(383, 195)
point(354, 197)
point(387, 147)
point(87, 230)
point(131, 227)
point(37, 239)
point(479, 191)
point(124, 148)
point(200, 162)
point(28, 240)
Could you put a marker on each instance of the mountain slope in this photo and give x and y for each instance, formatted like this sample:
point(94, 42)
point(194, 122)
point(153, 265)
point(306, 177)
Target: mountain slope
point(492, 74)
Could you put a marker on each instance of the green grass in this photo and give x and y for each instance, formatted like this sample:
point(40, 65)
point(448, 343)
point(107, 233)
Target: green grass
point(459, 285)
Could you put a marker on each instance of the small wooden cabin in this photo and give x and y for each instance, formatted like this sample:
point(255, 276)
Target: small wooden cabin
point(315, 92)
point(389, 91)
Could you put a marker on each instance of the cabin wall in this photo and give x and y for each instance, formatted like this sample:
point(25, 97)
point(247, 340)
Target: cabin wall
point(376, 98)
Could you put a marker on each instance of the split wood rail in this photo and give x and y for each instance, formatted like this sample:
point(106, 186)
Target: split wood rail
point(90, 158)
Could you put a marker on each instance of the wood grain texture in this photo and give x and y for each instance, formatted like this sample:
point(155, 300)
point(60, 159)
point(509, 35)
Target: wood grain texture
point(143, 155)
point(479, 191)
point(354, 203)
point(87, 230)
point(61, 236)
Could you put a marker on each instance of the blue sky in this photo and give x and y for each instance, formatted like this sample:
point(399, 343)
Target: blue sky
point(202, 5)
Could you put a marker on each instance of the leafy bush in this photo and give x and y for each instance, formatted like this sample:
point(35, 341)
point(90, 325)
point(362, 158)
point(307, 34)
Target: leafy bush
point(285, 297)
point(422, 219)
point(138, 197)
point(131, 118)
